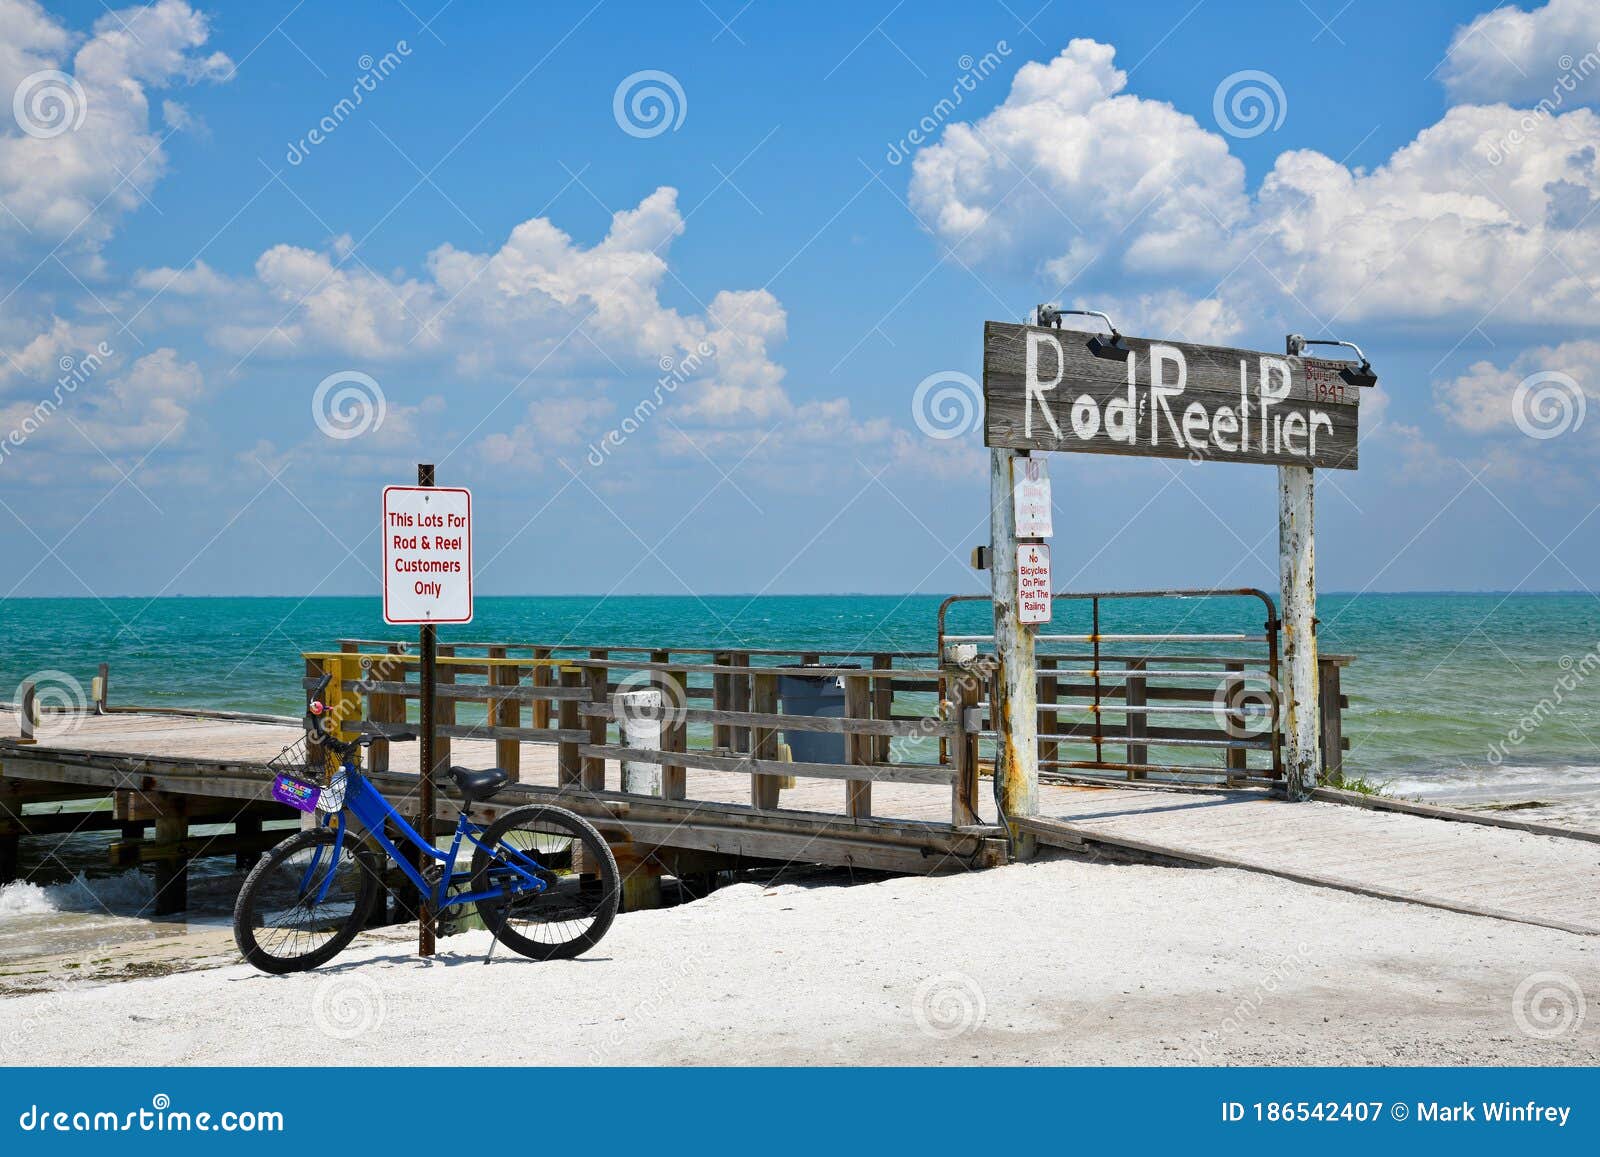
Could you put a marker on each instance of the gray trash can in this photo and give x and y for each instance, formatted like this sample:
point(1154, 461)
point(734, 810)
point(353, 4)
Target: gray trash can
point(820, 696)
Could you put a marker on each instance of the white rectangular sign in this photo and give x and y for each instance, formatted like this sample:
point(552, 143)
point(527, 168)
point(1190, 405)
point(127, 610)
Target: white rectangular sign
point(427, 554)
point(1033, 582)
point(1030, 492)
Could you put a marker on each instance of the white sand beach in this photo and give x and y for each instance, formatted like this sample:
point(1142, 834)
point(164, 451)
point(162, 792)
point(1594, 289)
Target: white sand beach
point(1055, 962)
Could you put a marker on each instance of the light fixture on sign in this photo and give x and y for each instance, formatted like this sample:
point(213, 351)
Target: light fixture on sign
point(1356, 375)
point(1112, 348)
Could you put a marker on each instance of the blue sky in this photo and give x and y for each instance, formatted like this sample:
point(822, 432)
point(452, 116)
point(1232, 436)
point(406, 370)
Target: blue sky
point(507, 264)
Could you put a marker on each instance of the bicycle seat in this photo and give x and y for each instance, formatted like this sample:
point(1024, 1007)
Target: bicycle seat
point(478, 786)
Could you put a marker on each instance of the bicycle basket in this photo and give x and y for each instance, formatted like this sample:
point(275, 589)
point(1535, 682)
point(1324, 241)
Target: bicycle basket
point(327, 777)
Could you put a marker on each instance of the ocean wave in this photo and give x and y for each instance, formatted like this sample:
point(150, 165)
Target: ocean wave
point(125, 894)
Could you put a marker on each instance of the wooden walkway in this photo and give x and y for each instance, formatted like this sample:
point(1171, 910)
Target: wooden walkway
point(1464, 866)
point(1470, 867)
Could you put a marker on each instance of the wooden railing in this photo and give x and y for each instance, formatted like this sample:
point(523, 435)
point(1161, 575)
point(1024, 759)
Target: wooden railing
point(1134, 705)
point(726, 700)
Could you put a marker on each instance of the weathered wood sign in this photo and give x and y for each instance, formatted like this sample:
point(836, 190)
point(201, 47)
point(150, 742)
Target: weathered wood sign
point(1061, 389)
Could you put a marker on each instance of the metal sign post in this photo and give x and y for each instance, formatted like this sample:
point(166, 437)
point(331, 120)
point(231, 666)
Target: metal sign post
point(427, 580)
point(428, 649)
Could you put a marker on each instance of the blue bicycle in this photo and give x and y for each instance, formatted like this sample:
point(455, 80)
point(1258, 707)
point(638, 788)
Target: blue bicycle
point(542, 879)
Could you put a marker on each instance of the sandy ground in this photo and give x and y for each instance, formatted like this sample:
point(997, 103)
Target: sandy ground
point(1055, 962)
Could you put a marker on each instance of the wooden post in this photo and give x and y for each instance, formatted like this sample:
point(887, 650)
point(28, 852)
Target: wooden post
point(741, 690)
point(244, 828)
point(569, 766)
point(722, 700)
point(1235, 758)
point(964, 689)
point(1137, 723)
point(593, 771)
point(858, 748)
point(505, 713)
point(1298, 597)
point(1049, 718)
point(674, 734)
point(102, 688)
point(26, 706)
point(882, 704)
point(1016, 696)
point(427, 767)
point(764, 789)
point(172, 870)
point(542, 677)
point(1331, 705)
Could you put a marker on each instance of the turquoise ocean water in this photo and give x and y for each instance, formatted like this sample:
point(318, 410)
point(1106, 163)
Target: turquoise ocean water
point(1437, 687)
point(1438, 682)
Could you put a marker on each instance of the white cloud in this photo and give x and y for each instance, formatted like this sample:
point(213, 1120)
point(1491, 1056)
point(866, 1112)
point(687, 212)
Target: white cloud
point(1515, 55)
point(77, 183)
point(542, 308)
point(1484, 399)
point(1475, 216)
point(1070, 170)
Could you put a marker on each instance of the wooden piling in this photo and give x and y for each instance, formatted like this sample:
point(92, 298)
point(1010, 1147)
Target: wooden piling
point(569, 765)
point(1016, 696)
point(675, 733)
point(964, 690)
point(1302, 753)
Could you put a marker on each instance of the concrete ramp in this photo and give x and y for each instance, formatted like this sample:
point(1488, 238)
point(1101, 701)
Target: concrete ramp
point(1507, 873)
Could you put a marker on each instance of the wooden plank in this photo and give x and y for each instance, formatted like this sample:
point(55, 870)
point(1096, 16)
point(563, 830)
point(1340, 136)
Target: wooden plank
point(1047, 389)
point(506, 715)
point(874, 727)
point(892, 773)
point(594, 769)
point(480, 692)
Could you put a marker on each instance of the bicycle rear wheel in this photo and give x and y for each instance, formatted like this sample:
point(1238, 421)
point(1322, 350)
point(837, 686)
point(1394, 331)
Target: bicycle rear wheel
point(582, 893)
point(299, 907)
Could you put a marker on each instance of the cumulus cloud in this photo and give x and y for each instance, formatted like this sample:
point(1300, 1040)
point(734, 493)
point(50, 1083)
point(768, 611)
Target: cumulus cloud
point(542, 307)
point(82, 152)
point(1071, 167)
point(1452, 226)
point(1513, 54)
point(1562, 385)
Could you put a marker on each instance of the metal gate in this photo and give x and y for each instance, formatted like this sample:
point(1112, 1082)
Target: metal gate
point(1118, 703)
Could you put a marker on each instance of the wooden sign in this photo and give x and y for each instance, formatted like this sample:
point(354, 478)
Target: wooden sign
point(1033, 582)
point(1062, 389)
point(427, 554)
point(1030, 497)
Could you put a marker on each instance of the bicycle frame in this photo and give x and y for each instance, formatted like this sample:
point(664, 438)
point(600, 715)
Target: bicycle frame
point(374, 813)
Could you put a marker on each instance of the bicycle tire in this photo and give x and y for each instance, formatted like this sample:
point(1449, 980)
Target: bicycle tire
point(252, 906)
point(597, 865)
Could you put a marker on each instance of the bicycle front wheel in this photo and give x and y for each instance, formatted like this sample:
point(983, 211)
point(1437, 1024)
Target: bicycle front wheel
point(301, 905)
point(581, 886)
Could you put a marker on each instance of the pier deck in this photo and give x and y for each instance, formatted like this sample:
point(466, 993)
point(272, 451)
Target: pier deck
point(1476, 867)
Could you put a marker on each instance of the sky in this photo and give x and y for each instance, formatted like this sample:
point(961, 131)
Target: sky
point(660, 283)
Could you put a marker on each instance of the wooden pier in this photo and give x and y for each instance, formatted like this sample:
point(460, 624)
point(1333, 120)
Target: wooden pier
point(912, 794)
